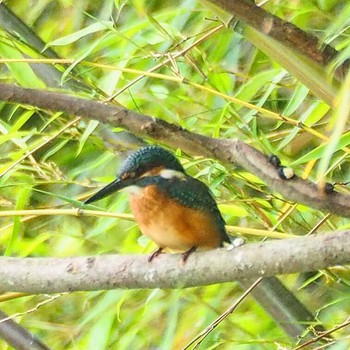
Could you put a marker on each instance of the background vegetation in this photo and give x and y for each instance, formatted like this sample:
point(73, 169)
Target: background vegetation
point(49, 159)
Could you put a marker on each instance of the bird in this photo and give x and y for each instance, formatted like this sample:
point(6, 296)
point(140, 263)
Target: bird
point(173, 209)
point(178, 212)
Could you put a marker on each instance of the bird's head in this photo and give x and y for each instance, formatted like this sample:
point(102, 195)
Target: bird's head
point(145, 162)
point(150, 161)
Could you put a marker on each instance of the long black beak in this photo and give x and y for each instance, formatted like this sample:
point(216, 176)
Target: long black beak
point(114, 186)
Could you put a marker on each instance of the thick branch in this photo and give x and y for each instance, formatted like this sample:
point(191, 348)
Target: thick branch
point(51, 275)
point(227, 151)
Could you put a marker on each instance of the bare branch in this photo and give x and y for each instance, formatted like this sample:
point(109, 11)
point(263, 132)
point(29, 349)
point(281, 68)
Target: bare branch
point(17, 336)
point(227, 151)
point(52, 275)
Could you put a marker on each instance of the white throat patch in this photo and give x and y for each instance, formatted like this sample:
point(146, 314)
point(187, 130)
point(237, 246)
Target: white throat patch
point(134, 189)
point(170, 174)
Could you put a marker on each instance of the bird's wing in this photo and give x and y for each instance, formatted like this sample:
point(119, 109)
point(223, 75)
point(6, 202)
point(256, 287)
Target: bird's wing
point(194, 194)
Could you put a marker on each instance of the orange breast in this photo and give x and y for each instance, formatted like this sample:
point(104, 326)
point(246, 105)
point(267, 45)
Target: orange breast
point(171, 225)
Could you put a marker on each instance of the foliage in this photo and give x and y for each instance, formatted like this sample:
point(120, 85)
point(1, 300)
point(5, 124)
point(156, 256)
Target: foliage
point(212, 88)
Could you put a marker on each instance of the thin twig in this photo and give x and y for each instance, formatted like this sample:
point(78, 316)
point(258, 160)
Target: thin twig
point(202, 335)
point(324, 334)
point(35, 308)
point(166, 61)
point(48, 140)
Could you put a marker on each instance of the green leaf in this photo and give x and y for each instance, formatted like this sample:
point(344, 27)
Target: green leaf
point(340, 117)
point(22, 199)
point(100, 332)
point(86, 53)
point(71, 38)
point(298, 97)
point(233, 210)
point(87, 132)
point(22, 72)
point(319, 151)
point(250, 89)
point(294, 132)
point(53, 150)
point(310, 74)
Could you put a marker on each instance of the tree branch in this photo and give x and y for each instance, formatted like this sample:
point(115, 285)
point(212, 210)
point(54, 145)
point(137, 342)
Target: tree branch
point(52, 275)
point(17, 336)
point(284, 32)
point(228, 151)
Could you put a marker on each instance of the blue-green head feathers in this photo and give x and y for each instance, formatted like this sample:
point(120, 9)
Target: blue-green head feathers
point(147, 158)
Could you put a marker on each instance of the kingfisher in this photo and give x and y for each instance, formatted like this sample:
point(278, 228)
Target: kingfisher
point(173, 209)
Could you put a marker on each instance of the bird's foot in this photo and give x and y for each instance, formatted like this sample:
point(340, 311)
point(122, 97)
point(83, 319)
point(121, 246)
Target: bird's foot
point(155, 254)
point(185, 255)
